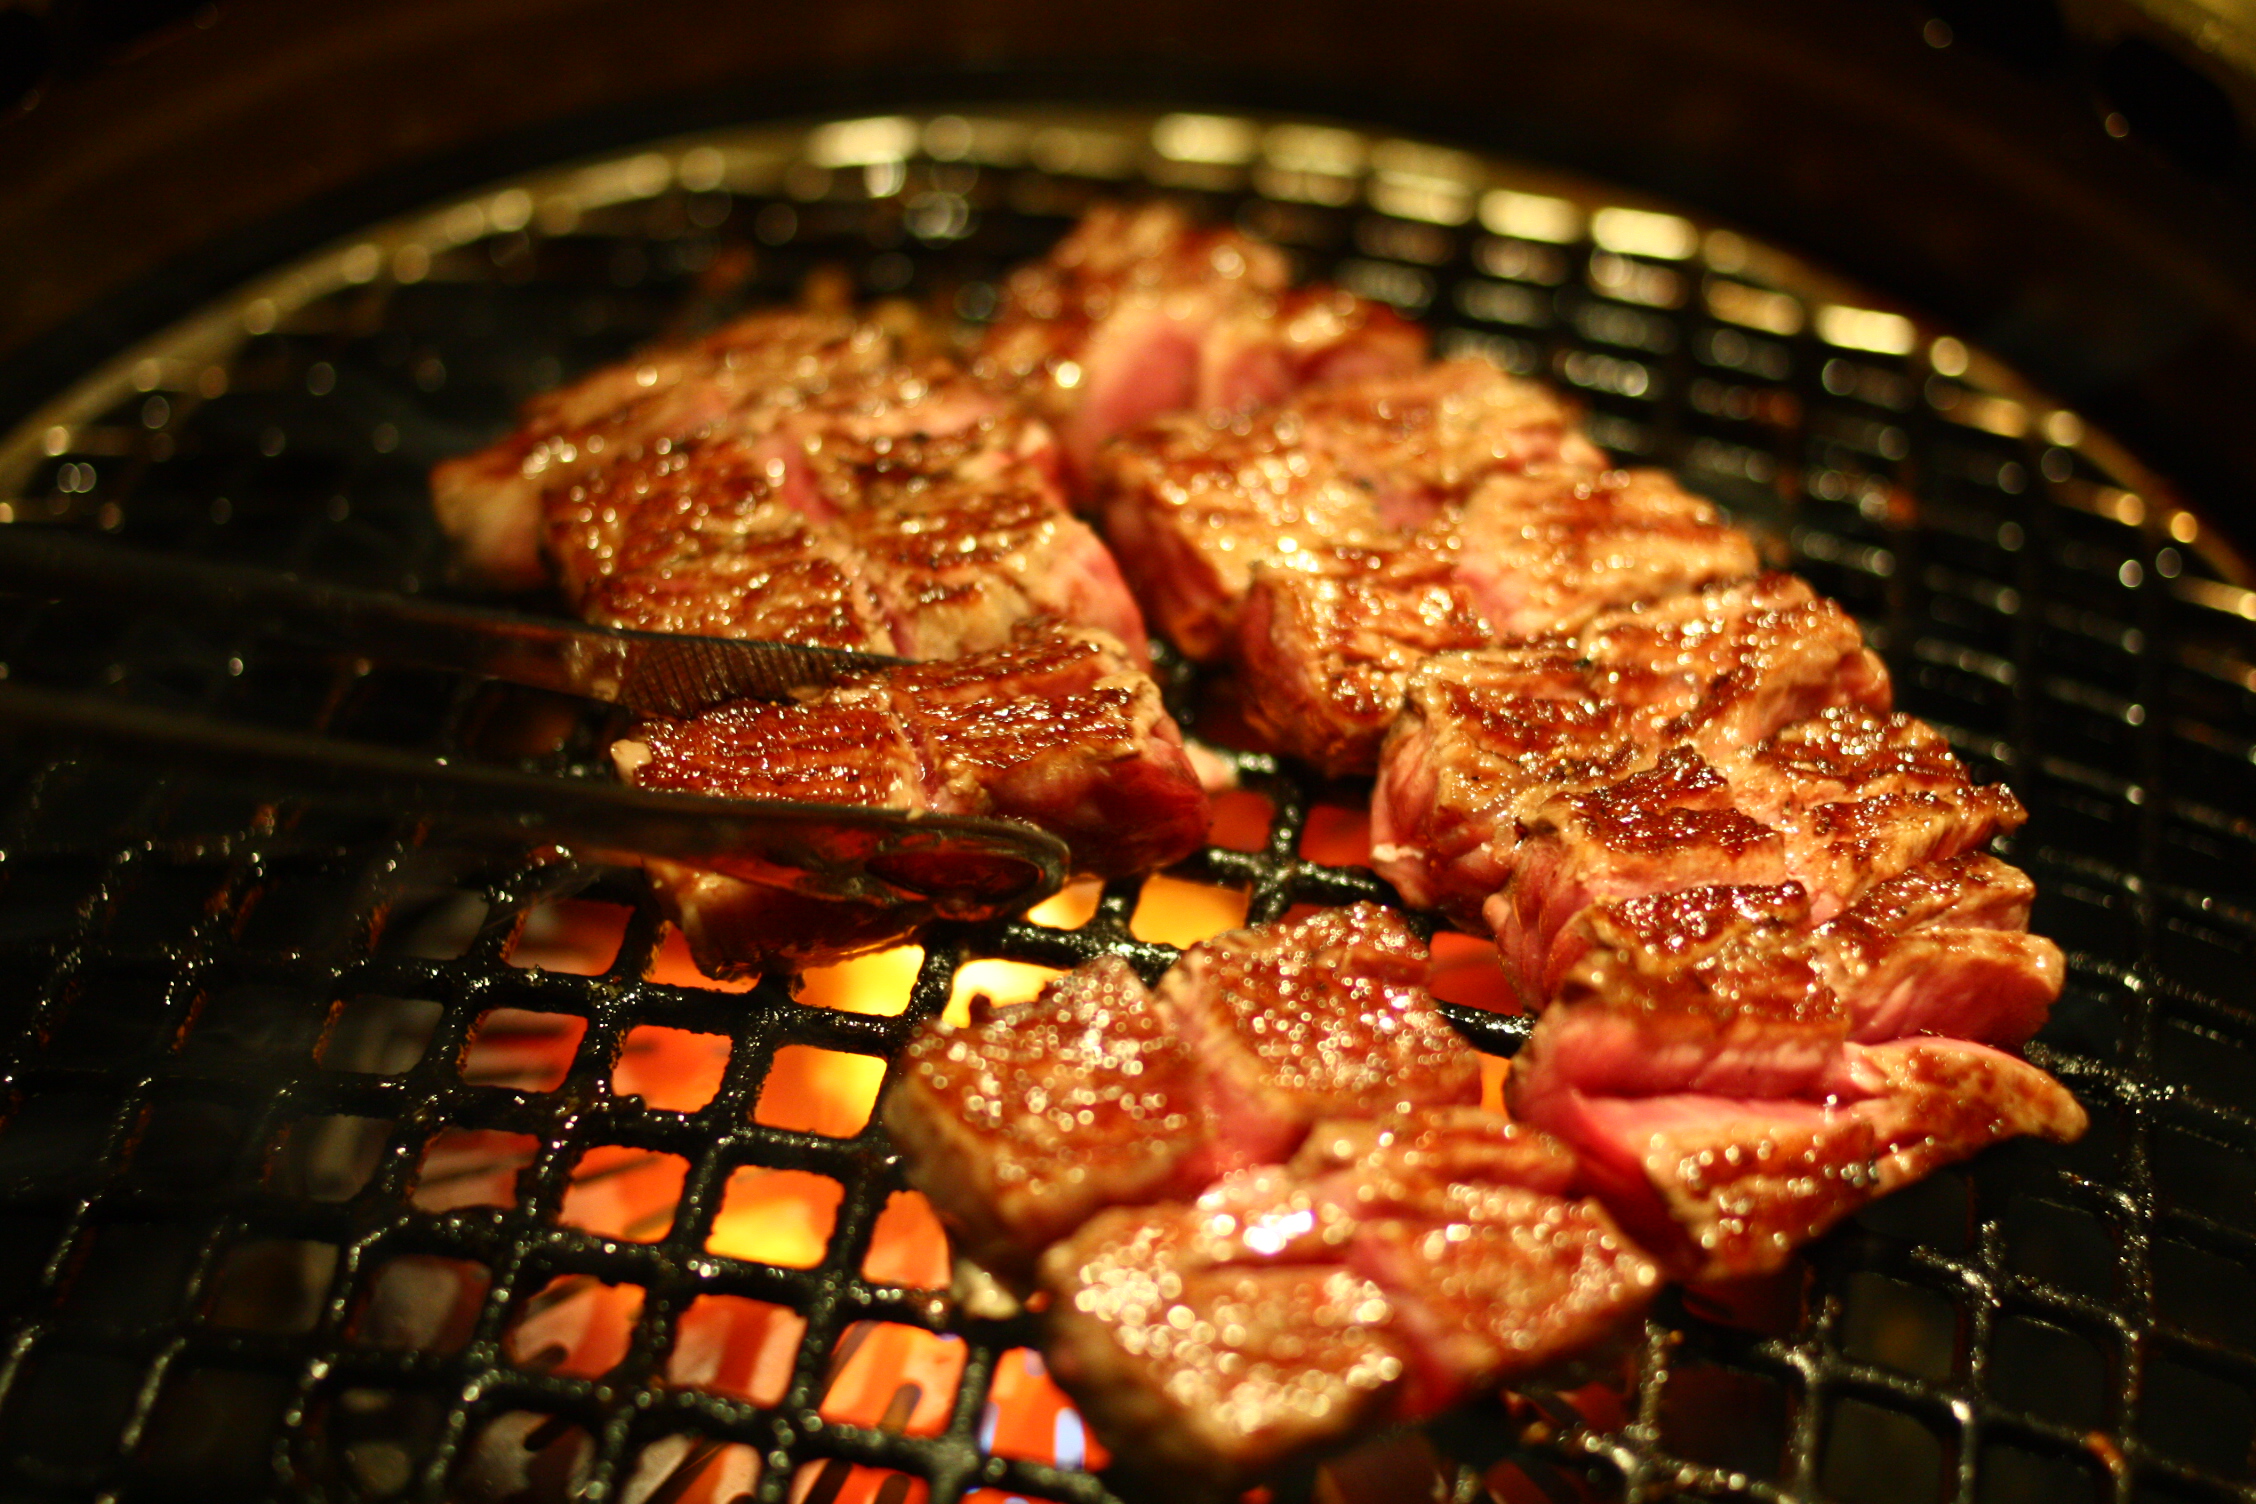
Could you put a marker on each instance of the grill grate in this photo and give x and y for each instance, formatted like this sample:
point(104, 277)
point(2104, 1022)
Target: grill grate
point(244, 1041)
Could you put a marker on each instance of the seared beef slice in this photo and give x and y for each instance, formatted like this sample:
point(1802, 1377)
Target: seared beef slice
point(795, 476)
point(1140, 312)
point(1195, 504)
point(1253, 1036)
point(1394, 1268)
point(1059, 729)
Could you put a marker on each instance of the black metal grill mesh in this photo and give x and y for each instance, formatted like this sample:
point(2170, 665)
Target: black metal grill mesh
point(272, 1070)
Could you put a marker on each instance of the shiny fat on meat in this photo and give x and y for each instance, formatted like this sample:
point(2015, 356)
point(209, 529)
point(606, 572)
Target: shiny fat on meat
point(1486, 737)
point(1021, 1126)
point(1195, 504)
point(1747, 902)
point(1726, 1187)
point(1060, 728)
point(1392, 1269)
point(797, 477)
point(1139, 311)
point(1327, 644)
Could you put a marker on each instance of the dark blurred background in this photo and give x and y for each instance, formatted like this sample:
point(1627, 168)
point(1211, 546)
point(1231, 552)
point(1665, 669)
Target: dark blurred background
point(2068, 182)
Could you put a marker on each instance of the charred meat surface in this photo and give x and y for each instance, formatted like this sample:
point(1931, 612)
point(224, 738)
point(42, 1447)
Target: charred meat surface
point(1746, 899)
point(1392, 1269)
point(795, 476)
point(1014, 1126)
point(1060, 728)
point(1487, 737)
point(1194, 504)
point(1327, 645)
point(1139, 312)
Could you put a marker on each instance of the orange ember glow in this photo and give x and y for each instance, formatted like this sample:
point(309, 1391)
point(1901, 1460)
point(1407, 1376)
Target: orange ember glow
point(881, 1375)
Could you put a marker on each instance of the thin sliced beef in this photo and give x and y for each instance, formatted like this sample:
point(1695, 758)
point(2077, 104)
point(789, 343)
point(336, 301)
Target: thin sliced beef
point(1194, 504)
point(1395, 1268)
point(1060, 729)
point(1011, 1126)
point(1721, 1187)
point(1139, 312)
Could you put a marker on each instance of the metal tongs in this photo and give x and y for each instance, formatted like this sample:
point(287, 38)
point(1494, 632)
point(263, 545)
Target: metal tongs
point(950, 866)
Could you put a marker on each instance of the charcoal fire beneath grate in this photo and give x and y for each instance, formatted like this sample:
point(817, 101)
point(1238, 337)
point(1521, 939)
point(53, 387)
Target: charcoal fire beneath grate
point(344, 1160)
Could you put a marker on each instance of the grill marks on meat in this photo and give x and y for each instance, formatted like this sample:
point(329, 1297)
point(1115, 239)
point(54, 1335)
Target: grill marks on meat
point(1740, 892)
point(1391, 1269)
point(1325, 1017)
point(1329, 544)
point(796, 476)
point(1139, 312)
point(1487, 737)
point(1022, 1127)
point(1060, 729)
point(1195, 506)
point(1731, 989)
point(1014, 1127)
point(1259, 1201)
point(494, 504)
point(1327, 651)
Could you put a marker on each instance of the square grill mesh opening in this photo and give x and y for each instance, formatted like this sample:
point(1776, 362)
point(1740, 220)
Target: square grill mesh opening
point(346, 1160)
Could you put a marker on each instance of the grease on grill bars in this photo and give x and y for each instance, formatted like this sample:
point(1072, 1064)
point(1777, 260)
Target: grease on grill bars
point(339, 1163)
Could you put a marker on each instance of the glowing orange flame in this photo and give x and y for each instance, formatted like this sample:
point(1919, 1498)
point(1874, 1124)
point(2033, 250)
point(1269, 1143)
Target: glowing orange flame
point(883, 1375)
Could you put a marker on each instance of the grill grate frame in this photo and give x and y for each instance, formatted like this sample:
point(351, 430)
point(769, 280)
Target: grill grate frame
point(186, 965)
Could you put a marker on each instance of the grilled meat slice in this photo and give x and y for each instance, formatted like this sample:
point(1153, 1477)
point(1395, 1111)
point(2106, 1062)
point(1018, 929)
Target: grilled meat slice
point(1393, 1269)
point(1205, 1359)
point(1326, 645)
point(742, 380)
point(1139, 312)
point(1193, 504)
point(1250, 1038)
point(796, 477)
point(1324, 657)
point(1474, 1226)
point(1059, 728)
point(1731, 990)
point(1325, 1016)
point(1721, 1187)
point(1685, 822)
point(1545, 553)
point(1022, 1126)
point(1487, 737)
